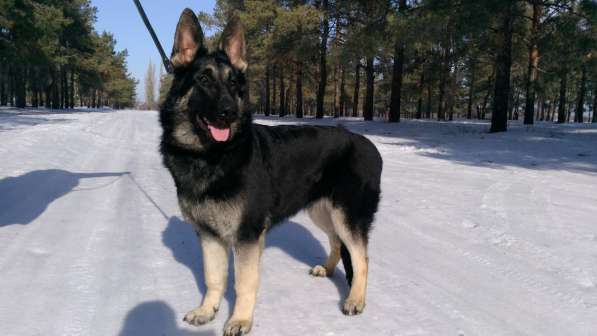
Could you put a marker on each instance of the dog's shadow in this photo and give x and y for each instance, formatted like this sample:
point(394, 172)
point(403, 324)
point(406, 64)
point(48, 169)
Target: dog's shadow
point(290, 237)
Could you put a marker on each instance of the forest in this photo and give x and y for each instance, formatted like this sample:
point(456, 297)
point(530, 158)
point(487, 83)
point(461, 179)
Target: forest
point(529, 60)
point(50, 55)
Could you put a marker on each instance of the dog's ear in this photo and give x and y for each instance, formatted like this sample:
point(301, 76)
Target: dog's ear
point(188, 39)
point(233, 44)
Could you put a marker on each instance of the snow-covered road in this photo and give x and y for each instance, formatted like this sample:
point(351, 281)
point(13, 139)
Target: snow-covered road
point(477, 234)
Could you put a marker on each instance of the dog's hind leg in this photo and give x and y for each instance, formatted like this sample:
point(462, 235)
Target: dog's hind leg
point(327, 270)
point(320, 215)
point(215, 269)
point(356, 245)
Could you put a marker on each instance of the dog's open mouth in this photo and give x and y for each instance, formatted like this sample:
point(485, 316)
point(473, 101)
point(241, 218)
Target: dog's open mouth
point(219, 133)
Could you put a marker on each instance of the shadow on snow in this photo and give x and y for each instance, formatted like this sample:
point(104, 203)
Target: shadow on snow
point(292, 238)
point(156, 317)
point(12, 117)
point(544, 146)
point(24, 198)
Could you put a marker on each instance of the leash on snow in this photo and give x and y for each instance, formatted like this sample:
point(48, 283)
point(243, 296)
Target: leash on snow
point(165, 59)
point(149, 198)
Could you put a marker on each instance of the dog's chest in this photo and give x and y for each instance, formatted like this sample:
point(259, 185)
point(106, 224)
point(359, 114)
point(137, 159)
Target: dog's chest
point(221, 216)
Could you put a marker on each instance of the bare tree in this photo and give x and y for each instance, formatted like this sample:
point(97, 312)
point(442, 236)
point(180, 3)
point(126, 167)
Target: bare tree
point(150, 103)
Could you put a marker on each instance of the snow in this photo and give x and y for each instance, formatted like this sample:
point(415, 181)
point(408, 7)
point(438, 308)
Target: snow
point(477, 234)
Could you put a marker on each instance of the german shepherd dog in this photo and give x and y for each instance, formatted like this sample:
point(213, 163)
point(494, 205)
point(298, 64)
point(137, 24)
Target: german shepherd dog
point(235, 179)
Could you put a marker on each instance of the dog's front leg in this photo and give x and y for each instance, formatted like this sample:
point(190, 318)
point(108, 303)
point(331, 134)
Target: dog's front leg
point(215, 270)
point(246, 273)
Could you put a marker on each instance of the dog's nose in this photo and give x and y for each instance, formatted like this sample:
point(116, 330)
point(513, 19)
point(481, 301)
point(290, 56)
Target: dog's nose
point(226, 107)
point(225, 112)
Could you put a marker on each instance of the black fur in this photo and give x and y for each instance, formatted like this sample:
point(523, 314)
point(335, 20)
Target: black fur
point(347, 263)
point(273, 171)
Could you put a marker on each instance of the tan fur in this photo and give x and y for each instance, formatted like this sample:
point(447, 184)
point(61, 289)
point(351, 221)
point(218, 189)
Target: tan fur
point(215, 270)
point(246, 273)
point(320, 215)
point(223, 216)
point(332, 221)
point(184, 132)
point(185, 135)
point(225, 74)
point(355, 303)
point(213, 68)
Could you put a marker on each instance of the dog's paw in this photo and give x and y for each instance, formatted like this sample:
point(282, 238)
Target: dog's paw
point(200, 315)
point(318, 271)
point(353, 307)
point(237, 327)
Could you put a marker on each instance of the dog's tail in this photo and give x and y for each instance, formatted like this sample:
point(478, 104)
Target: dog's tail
point(347, 262)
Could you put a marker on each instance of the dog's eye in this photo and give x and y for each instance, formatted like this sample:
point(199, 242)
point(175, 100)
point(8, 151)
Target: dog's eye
point(204, 79)
point(232, 81)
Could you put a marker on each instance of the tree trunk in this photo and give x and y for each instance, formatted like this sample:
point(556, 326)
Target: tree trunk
point(11, 85)
point(499, 116)
point(55, 94)
point(61, 87)
point(516, 105)
point(48, 92)
point(93, 98)
point(66, 89)
point(398, 70)
point(368, 109)
point(32, 80)
point(323, 49)
point(514, 97)
point(451, 99)
point(397, 74)
point(343, 90)
point(490, 87)
point(552, 109)
point(429, 94)
point(267, 107)
point(562, 104)
point(40, 94)
point(3, 81)
point(282, 111)
point(471, 90)
point(20, 89)
point(580, 105)
point(357, 89)
point(287, 100)
point(335, 107)
point(533, 63)
point(542, 109)
point(419, 113)
point(594, 120)
point(81, 103)
point(72, 89)
point(441, 91)
point(299, 91)
point(274, 90)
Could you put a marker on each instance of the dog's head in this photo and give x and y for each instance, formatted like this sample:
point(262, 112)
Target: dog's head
point(204, 107)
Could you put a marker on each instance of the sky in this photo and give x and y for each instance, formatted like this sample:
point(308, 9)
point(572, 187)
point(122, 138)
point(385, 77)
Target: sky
point(122, 19)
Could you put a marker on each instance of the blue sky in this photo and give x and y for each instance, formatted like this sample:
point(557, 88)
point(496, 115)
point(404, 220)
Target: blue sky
point(122, 19)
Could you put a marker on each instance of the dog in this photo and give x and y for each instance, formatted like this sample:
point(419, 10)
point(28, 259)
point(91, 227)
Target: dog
point(236, 179)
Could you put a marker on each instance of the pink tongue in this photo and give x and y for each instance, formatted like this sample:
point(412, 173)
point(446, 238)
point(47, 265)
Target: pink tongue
point(219, 134)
